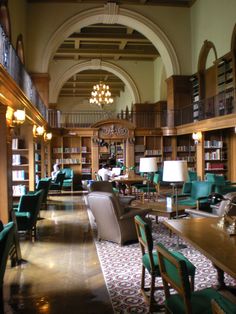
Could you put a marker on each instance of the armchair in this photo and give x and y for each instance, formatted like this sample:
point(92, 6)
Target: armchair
point(27, 212)
point(56, 185)
point(44, 184)
point(200, 191)
point(68, 179)
point(221, 185)
point(114, 222)
point(6, 243)
point(106, 186)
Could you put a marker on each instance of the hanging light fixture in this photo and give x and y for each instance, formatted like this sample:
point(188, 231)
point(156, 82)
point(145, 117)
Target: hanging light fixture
point(101, 95)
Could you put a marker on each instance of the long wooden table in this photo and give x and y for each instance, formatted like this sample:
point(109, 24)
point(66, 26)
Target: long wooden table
point(211, 241)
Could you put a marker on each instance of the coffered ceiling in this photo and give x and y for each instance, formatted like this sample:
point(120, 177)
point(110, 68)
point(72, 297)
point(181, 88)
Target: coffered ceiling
point(108, 43)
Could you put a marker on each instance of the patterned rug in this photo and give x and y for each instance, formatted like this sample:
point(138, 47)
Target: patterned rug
point(121, 267)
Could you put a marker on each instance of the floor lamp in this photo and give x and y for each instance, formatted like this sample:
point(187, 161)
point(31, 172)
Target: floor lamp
point(175, 172)
point(148, 165)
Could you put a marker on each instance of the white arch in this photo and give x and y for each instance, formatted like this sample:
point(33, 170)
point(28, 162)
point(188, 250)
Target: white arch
point(96, 64)
point(112, 14)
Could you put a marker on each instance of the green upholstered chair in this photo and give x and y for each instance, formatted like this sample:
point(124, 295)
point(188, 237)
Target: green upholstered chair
point(150, 262)
point(200, 191)
point(221, 185)
point(68, 180)
point(44, 184)
point(27, 212)
point(174, 273)
point(6, 243)
point(192, 176)
point(56, 185)
point(152, 188)
point(222, 305)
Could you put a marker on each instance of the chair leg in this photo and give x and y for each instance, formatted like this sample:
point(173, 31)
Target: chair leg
point(152, 290)
point(192, 283)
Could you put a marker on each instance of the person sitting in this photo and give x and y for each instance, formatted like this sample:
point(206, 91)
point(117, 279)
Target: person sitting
point(104, 172)
point(56, 170)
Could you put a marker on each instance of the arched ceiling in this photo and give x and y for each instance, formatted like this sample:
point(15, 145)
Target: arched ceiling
point(106, 42)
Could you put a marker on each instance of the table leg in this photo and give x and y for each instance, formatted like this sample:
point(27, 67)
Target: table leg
point(220, 277)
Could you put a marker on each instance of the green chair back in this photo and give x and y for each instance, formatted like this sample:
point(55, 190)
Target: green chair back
point(201, 189)
point(192, 176)
point(6, 243)
point(69, 173)
point(44, 184)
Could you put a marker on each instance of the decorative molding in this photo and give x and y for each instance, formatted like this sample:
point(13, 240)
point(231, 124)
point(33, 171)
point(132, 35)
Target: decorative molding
point(131, 140)
point(113, 131)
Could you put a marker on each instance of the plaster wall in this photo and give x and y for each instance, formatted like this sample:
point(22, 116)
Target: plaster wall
point(212, 20)
point(17, 12)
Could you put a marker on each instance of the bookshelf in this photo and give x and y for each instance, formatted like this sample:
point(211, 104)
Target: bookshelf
point(186, 150)
point(225, 84)
point(195, 96)
point(86, 158)
point(215, 153)
point(20, 167)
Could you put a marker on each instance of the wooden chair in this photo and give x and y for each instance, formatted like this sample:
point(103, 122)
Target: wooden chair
point(174, 273)
point(151, 264)
point(152, 188)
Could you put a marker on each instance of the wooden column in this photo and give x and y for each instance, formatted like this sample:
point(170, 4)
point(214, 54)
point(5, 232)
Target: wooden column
point(130, 152)
point(95, 155)
point(5, 167)
point(200, 158)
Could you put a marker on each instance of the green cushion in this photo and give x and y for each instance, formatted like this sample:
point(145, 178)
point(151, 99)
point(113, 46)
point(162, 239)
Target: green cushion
point(200, 301)
point(226, 305)
point(146, 263)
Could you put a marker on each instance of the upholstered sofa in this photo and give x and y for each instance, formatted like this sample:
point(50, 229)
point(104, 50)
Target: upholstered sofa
point(114, 222)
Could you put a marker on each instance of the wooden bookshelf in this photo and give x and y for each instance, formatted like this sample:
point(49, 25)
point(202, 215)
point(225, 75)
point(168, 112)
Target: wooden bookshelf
point(216, 156)
point(186, 150)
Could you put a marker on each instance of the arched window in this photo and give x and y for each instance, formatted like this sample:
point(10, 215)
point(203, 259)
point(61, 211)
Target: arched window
point(20, 48)
point(5, 18)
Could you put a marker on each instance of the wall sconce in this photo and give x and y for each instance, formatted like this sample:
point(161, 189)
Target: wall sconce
point(38, 130)
point(197, 137)
point(47, 136)
point(15, 117)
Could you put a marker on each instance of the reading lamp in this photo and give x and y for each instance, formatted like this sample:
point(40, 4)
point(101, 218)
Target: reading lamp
point(148, 165)
point(175, 172)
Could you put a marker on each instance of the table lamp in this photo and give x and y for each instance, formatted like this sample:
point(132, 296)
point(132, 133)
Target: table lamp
point(175, 172)
point(148, 165)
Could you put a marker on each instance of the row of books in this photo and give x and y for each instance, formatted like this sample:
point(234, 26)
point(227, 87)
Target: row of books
point(213, 144)
point(215, 155)
point(18, 190)
point(184, 148)
point(17, 143)
point(153, 152)
point(67, 161)
point(19, 175)
point(215, 166)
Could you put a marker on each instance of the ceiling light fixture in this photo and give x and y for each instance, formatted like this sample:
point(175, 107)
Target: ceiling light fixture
point(101, 95)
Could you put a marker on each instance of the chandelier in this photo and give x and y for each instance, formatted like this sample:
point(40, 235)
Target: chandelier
point(101, 95)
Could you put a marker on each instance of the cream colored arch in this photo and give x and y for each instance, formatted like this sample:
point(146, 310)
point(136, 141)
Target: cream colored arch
point(95, 64)
point(113, 14)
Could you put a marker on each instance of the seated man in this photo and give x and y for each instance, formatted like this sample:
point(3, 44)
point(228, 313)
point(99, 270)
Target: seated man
point(104, 172)
point(56, 170)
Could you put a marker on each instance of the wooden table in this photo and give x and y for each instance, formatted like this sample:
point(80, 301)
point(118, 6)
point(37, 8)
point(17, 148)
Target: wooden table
point(128, 180)
point(160, 209)
point(211, 241)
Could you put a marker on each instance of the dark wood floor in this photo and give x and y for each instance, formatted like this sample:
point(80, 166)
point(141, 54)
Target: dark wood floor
point(62, 273)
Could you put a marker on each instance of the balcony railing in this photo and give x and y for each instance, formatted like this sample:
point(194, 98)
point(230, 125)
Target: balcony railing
point(11, 62)
point(219, 105)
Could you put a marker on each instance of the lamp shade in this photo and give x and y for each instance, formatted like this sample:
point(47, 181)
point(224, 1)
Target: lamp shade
point(148, 164)
point(175, 171)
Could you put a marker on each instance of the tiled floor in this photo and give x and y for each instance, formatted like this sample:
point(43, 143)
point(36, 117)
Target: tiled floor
point(61, 273)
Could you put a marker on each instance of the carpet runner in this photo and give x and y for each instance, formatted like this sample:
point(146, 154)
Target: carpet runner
point(121, 266)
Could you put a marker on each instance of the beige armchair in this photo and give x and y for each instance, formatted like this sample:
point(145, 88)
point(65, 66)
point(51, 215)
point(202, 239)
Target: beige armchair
point(114, 222)
point(106, 186)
